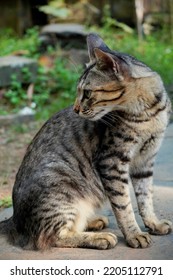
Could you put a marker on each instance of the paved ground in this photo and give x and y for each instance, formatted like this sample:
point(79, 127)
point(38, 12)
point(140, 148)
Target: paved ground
point(162, 247)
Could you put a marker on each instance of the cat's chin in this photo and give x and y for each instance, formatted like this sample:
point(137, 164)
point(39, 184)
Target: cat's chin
point(94, 118)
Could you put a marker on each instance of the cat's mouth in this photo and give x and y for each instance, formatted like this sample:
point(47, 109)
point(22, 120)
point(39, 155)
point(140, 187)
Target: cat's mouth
point(89, 114)
point(96, 113)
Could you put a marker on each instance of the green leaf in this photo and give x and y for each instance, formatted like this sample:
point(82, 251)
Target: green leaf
point(60, 12)
point(6, 202)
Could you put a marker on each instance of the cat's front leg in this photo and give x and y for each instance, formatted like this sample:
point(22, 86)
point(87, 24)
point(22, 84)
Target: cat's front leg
point(115, 178)
point(143, 185)
point(122, 207)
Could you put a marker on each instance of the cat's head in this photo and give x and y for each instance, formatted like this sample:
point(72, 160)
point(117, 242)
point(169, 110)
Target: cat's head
point(108, 83)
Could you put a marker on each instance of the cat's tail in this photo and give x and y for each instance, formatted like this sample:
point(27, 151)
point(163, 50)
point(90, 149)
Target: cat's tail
point(8, 229)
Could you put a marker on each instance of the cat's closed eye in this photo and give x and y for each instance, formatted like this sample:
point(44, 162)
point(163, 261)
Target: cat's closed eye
point(87, 93)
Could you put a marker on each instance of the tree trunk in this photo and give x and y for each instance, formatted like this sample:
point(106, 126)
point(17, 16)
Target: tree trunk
point(139, 7)
point(171, 18)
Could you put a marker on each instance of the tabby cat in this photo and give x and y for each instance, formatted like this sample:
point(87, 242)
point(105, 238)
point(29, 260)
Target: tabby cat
point(92, 152)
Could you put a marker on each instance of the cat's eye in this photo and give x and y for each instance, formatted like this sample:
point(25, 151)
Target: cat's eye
point(87, 93)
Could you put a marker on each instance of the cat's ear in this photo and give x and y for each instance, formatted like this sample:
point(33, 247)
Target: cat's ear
point(104, 61)
point(94, 41)
point(137, 71)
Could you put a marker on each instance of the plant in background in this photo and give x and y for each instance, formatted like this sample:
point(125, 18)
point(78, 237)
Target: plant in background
point(82, 11)
point(56, 9)
point(55, 86)
point(109, 22)
point(6, 202)
point(154, 50)
point(11, 43)
point(16, 93)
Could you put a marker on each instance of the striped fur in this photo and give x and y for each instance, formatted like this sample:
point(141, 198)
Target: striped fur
point(77, 161)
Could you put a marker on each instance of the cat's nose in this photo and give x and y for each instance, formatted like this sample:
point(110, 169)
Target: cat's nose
point(76, 108)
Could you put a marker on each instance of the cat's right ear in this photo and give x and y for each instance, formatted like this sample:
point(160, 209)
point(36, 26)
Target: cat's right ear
point(93, 42)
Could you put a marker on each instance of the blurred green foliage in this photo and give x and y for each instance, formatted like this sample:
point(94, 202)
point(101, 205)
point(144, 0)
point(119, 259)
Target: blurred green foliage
point(56, 8)
point(6, 202)
point(10, 42)
point(153, 51)
point(55, 87)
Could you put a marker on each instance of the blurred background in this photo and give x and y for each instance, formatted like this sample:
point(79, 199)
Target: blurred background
point(43, 52)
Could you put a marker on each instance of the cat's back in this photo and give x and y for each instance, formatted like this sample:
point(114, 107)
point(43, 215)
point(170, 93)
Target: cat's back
point(54, 135)
point(65, 140)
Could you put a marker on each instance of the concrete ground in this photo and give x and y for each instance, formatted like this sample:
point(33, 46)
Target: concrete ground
point(162, 247)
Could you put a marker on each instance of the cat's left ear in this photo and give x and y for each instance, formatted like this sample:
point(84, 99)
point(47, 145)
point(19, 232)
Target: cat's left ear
point(95, 41)
point(104, 61)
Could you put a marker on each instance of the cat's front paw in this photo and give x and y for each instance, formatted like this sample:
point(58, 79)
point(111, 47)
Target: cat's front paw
point(104, 240)
point(160, 228)
point(139, 240)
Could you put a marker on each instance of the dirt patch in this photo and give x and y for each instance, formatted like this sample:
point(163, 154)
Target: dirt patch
point(13, 143)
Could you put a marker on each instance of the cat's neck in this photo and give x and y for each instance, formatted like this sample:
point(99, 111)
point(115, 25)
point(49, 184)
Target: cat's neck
point(144, 98)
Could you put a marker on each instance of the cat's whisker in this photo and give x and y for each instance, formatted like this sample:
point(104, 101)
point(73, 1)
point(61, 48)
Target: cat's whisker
point(117, 106)
point(112, 107)
point(74, 64)
point(107, 120)
point(116, 118)
point(115, 115)
point(113, 118)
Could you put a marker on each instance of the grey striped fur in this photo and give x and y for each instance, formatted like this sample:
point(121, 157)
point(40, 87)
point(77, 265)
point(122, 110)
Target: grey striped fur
point(92, 152)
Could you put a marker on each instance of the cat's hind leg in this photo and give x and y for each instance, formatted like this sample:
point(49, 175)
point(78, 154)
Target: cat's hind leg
point(68, 228)
point(74, 234)
point(98, 223)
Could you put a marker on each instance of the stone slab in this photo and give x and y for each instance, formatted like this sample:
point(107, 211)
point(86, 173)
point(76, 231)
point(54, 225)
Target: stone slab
point(24, 115)
point(10, 65)
point(15, 119)
point(65, 35)
point(64, 29)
